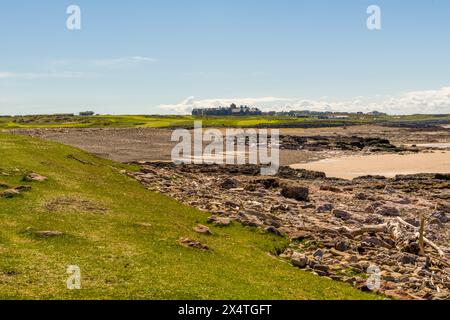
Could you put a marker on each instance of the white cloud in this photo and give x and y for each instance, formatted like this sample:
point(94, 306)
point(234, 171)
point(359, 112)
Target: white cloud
point(47, 75)
point(190, 103)
point(425, 102)
point(122, 62)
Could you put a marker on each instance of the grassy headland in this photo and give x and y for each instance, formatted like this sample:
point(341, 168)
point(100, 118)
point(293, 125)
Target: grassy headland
point(124, 238)
point(157, 121)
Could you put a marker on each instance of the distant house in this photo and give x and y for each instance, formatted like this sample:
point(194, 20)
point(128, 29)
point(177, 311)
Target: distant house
point(86, 113)
point(376, 113)
point(233, 110)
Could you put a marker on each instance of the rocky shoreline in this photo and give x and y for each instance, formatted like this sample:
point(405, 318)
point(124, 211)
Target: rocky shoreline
point(341, 229)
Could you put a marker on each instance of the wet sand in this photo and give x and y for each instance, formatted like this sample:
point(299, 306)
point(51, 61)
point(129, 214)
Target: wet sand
point(388, 165)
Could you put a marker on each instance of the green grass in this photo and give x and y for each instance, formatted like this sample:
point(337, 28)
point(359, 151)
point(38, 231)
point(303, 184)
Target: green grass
point(142, 121)
point(119, 259)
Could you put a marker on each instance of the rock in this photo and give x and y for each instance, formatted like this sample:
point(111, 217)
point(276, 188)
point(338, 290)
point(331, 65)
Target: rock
point(300, 235)
point(48, 234)
point(202, 229)
point(230, 183)
point(374, 242)
point(341, 214)
point(186, 242)
point(269, 183)
point(296, 192)
point(144, 225)
point(373, 220)
point(318, 254)
point(34, 177)
point(443, 207)
point(388, 211)
point(330, 188)
point(322, 268)
point(326, 207)
point(342, 246)
point(389, 190)
point(361, 196)
point(272, 229)
point(299, 260)
point(280, 207)
point(22, 188)
point(10, 193)
point(441, 216)
point(219, 221)
point(406, 258)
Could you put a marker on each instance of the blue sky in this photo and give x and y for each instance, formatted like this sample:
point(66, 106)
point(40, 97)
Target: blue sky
point(167, 56)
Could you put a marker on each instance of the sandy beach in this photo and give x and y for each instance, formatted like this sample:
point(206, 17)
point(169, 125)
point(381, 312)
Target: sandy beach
point(388, 165)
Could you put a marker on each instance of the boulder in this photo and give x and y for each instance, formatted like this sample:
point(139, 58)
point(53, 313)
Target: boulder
point(299, 260)
point(219, 221)
point(268, 183)
point(272, 229)
point(326, 207)
point(342, 246)
point(186, 242)
point(441, 216)
point(388, 211)
point(407, 258)
point(230, 184)
point(293, 191)
point(341, 214)
point(202, 229)
point(49, 234)
point(10, 193)
point(34, 177)
point(300, 235)
point(323, 269)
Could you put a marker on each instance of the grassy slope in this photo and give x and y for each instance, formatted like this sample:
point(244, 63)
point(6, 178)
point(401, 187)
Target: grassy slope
point(119, 258)
point(187, 121)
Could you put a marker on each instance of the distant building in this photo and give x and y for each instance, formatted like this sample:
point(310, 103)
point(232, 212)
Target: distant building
point(86, 113)
point(232, 110)
point(376, 113)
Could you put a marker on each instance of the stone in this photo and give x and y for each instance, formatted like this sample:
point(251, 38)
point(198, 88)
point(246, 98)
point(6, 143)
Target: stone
point(330, 188)
point(342, 246)
point(406, 258)
point(318, 254)
point(269, 183)
point(272, 229)
point(322, 268)
point(361, 196)
point(443, 207)
point(300, 235)
point(22, 188)
point(219, 221)
point(230, 183)
point(441, 216)
point(292, 191)
point(299, 260)
point(202, 229)
point(34, 177)
point(389, 190)
point(388, 211)
point(48, 234)
point(145, 225)
point(9, 193)
point(186, 242)
point(324, 208)
point(341, 214)
point(373, 242)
